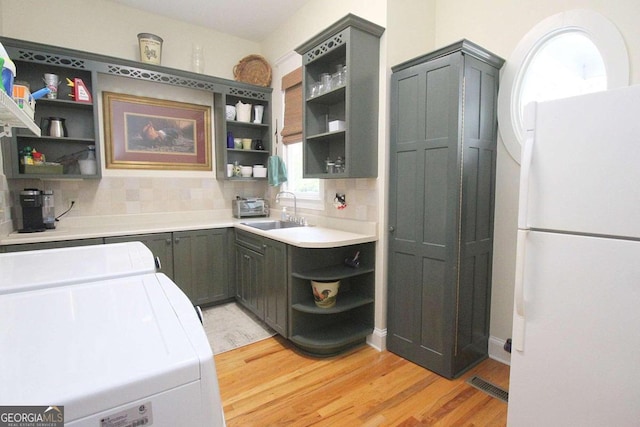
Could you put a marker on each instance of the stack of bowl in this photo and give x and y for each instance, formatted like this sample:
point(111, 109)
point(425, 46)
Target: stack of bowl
point(259, 171)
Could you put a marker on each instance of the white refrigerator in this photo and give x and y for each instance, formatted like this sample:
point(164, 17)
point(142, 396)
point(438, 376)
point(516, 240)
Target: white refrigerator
point(576, 335)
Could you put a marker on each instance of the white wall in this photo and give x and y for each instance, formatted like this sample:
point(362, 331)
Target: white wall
point(111, 29)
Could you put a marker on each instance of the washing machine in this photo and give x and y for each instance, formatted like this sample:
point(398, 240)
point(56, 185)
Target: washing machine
point(98, 333)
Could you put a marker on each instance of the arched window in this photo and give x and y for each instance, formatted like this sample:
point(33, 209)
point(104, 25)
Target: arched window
point(567, 54)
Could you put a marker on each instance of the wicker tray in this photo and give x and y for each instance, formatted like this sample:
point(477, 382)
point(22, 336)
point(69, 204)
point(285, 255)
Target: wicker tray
point(253, 69)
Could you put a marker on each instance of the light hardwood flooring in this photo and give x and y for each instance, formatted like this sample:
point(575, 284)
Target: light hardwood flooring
point(268, 383)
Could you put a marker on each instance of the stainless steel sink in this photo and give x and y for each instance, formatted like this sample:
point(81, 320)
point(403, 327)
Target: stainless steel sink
point(272, 225)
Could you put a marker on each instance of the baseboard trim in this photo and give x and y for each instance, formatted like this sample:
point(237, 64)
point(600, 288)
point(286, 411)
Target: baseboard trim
point(378, 339)
point(497, 351)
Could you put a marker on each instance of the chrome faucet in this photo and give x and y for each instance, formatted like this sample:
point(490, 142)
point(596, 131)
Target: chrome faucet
point(295, 204)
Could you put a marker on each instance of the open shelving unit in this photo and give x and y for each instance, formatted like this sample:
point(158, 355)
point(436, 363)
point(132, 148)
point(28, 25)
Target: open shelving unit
point(328, 331)
point(352, 42)
point(238, 129)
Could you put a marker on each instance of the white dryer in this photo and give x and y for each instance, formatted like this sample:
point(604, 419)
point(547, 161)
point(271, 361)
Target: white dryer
point(95, 329)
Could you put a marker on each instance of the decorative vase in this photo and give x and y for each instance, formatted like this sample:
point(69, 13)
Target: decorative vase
point(325, 293)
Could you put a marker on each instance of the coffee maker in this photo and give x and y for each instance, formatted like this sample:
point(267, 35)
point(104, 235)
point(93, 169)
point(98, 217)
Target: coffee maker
point(31, 202)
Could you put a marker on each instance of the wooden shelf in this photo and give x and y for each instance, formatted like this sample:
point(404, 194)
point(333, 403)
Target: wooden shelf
point(88, 141)
point(344, 302)
point(331, 273)
point(332, 339)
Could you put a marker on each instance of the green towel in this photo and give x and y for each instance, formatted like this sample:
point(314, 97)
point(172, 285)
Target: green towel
point(276, 171)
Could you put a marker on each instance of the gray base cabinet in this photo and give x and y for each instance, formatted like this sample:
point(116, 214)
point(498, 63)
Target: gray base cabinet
point(200, 264)
point(197, 261)
point(275, 285)
point(51, 245)
point(442, 188)
point(160, 244)
point(261, 278)
point(329, 331)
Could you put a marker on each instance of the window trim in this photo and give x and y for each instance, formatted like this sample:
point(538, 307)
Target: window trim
point(304, 200)
point(604, 35)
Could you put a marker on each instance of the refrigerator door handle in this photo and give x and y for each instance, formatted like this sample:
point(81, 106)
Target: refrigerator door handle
point(519, 309)
point(525, 164)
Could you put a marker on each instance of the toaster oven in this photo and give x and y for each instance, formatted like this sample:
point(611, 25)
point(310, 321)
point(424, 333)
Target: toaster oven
point(244, 208)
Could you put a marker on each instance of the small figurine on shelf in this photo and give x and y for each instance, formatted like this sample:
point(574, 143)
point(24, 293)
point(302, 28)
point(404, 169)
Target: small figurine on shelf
point(38, 158)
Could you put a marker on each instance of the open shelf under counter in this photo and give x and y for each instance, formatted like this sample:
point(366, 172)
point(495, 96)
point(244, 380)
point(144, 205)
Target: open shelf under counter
point(345, 301)
point(332, 339)
point(334, 272)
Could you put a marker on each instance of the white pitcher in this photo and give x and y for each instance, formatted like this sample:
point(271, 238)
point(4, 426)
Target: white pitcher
point(243, 112)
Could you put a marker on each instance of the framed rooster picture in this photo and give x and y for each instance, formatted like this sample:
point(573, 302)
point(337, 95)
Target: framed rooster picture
point(148, 133)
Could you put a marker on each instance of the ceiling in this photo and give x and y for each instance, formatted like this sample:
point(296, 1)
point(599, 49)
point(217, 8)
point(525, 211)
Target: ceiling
point(247, 19)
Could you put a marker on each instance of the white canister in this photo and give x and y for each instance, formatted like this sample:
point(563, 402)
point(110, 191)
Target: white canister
point(88, 167)
point(229, 170)
point(230, 112)
point(258, 110)
point(150, 48)
point(243, 112)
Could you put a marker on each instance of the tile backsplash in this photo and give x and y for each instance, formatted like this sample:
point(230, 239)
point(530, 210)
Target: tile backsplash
point(144, 195)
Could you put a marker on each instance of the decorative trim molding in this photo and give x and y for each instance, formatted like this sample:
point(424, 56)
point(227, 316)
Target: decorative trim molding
point(497, 351)
point(378, 339)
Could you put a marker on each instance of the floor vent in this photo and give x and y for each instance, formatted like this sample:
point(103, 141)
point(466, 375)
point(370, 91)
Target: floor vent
point(490, 389)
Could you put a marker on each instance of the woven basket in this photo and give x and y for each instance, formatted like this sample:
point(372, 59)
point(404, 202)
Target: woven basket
point(253, 69)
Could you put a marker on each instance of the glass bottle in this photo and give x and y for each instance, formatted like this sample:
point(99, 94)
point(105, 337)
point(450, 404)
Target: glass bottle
point(197, 59)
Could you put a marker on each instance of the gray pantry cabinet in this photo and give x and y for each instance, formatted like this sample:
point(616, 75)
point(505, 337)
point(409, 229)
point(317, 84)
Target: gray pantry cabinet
point(441, 206)
point(353, 43)
point(261, 278)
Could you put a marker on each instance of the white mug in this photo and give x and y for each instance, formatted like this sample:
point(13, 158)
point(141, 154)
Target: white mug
point(229, 170)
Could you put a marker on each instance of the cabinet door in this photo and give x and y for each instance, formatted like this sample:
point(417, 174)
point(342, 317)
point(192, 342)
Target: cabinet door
point(442, 182)
point(275, 286)
point(422, 211)
point(158, 243)
point(200, 264)
point(249, 278)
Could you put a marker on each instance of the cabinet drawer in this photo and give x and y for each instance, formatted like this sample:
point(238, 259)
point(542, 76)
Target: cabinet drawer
point(250, 241)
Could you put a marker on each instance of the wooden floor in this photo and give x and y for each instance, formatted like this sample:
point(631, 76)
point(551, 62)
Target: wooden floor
point(268, 383)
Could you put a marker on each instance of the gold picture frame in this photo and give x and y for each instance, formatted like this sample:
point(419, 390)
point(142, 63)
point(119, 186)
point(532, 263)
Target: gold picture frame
point(149, 133)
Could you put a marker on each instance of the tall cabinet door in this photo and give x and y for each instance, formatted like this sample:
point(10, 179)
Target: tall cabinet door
point(442, 175)
point(423, 210)
point(275, 286)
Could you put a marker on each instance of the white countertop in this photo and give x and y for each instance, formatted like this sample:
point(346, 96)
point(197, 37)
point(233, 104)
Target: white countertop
point(316, 236)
